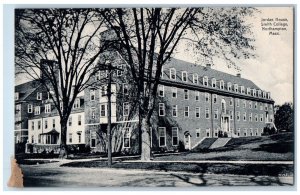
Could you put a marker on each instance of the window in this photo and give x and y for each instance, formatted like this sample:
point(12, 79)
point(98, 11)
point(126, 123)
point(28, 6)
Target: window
point(186, 94)
point(76, 103)
point(174, 92)
point(79, 138)
point(250, 104)
point(186, 111)
point(237, 102)
point(195, 79)
point(239, 132)
point(92, 94)
point(184, 76)
point(213, 82)
point(70, 137)
point(256, 118)
point(103, 91)
point(197, 112)
point(98, 75)
point(205, 81)
point(16, 96)
point(70, 121)
point(207, 97)
point(244, 104)
point(53, 123)
point(215, 98)
point(197, 95)
point(174, 111)
point(198, 132)
point(261, 117)
point(18, 108)
point(260, 106)
point(161, 109)
point(93, 113)
point(254, 92)
point(208, 132)
point(238, 116)
point(120, 70)
point(32, 125)
point(266, 107)
point(244, 116)
point(29, 108)
point(229, 86)
point(255, 105)
point(79, 120)
point(103, 110)
point(125, 89)
point(93, 139)
point(37, 110)
point(268, 95)
point(161, 91)
point(46, 123)
point(162, 72)
point(248, 91)
point(245, 132)
point(231, 114)
point(126, 138)
point(173, 73)
point(39, 96)
point(125, 109)
point(231, 102)
point(162, 136)
point(221, 84)
point(207, 113)
point(216, 114)
point(39, 124)
point(259, 93)
point(250, 117)
point(236, 87)
point(242, 89)
point(47, 108)
point(174, 136)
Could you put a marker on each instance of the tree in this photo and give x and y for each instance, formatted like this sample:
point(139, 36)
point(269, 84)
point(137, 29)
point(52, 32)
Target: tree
point(149, 36)
point(60, 48)
point(284, 117)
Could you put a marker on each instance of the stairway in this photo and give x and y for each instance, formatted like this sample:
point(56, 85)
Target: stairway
point(204, 144)
point(220, 142)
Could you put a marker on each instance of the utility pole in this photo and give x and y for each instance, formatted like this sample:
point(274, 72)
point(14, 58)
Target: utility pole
point(109, 116)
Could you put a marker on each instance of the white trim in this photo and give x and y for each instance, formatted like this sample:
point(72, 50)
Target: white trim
point(165, 133)
point(175, 128)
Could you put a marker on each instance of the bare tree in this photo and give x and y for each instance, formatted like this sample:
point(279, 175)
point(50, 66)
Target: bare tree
point(149, 36)
point(60, 48)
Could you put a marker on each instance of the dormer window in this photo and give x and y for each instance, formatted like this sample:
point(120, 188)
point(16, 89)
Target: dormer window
point(242, 89)
point(39, 96)
point(268, 95)
point(259, 93)
point(184, 76)
point(264, 94)
point(236, 88)
point(221, 84)
point(173, 73)
point(205, 81)
point(229, 86)
point(254, 92)
point(213, 82)
point(248, 91)
point(17, 96)
point(195, 78)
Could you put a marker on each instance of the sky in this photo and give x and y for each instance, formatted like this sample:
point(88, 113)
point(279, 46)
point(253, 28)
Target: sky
point(272, 69)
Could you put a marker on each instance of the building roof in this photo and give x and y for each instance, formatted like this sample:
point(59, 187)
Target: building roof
point(26, 89)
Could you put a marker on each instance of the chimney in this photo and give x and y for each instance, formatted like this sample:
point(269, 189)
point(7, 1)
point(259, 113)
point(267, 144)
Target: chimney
point(238, 75)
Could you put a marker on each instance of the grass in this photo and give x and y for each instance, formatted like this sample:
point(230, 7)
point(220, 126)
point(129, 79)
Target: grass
point(202, 168)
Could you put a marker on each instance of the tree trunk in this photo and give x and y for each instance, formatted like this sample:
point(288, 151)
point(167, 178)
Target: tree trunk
point(63, 153)
point(146, 144)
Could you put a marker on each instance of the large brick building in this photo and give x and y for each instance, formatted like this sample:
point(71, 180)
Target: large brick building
point(194, 102)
